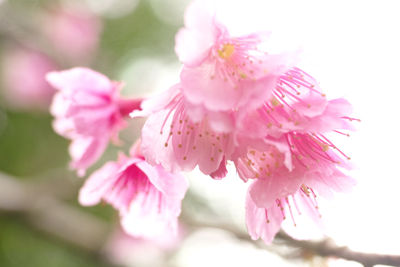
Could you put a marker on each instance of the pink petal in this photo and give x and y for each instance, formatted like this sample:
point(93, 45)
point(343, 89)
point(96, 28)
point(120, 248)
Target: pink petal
point(258, 225)
point(156, 103)
point(265, 191)
point(77, 79)
point(171, 185)
point(144, 220)
point(221, 172)
point(85, 151)
point(330, 181)
point(192, 44)
point(97, 185)
point(153, 143)
point(201, 87)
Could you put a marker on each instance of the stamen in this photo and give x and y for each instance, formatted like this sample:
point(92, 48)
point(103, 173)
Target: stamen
point(279, 204)
point(226, 51)
point(346, 134)
point(335, 147)
point(266, 215)
point(290, 210)
point(351, 119)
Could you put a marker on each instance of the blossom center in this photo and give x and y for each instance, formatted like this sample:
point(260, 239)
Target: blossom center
point(226, 51)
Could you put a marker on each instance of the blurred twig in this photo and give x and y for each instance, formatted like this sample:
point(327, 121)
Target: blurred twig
point(327, 248)
point(324, 248)
point(50, 215)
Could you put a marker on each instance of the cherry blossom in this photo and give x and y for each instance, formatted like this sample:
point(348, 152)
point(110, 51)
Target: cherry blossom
point(147, 197)
point(89, 111)
point(173, 139)
point(223, 72)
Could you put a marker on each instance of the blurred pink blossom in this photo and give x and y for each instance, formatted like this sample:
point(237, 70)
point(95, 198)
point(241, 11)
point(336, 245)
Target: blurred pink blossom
point(73, 31)
point(88, 110)
point(127, 250)
point(23, 73)
point(147, 197)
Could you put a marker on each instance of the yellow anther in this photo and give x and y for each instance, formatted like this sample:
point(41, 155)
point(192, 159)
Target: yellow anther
point(305, 189)
point(274, 102)
point(226, 51)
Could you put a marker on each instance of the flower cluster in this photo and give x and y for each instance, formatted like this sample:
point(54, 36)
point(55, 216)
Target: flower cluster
point(235, 103)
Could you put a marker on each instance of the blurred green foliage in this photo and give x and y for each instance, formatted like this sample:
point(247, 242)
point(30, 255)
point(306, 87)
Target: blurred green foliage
point(21, 246)
point(29, 147)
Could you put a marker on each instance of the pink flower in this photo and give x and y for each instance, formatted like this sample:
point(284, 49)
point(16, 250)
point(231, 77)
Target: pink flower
point(282, 188)
point(89, 111)
point(175, 140)
point(265, 223)
point(147, 197)
point(222, 72)
point(297, 104)
point(288, 155)
point(23, 73)
point(286, 152)
point(73, 31)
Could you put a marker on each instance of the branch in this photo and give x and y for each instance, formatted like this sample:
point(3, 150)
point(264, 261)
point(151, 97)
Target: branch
point(50, 215)
point(327, 248)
